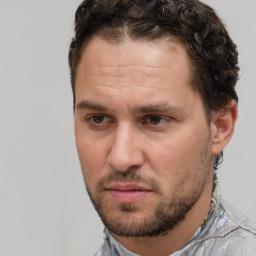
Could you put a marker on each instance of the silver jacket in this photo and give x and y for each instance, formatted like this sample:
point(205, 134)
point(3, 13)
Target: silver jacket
point(227, 232)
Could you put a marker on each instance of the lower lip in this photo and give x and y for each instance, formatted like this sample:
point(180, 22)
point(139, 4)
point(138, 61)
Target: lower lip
point(131, 196)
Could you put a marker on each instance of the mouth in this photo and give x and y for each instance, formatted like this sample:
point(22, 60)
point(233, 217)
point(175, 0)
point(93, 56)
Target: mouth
point(127, 192)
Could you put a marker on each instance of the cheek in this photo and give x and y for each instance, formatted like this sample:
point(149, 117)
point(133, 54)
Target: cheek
point(93, 157)
point(172, 153)
point(177, 157)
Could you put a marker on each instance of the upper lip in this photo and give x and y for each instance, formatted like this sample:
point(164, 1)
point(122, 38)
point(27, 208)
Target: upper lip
point(127, 187)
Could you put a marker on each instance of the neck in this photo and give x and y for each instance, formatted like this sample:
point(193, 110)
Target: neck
point(176, 238)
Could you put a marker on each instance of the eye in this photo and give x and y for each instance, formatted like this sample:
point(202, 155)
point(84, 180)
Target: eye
point(98, 119)
point(155, 120)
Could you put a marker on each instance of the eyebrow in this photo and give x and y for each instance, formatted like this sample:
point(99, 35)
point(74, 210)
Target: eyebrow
point(151, 108)
point(85, 104)
point(162, 107)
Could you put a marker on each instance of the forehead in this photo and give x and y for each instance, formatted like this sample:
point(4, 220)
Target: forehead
point(134, 72)
point(149, 57)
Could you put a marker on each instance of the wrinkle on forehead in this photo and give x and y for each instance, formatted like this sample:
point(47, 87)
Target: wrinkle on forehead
point(128, 70)
point(122, 76)
point(121, 83)
point(149, 55)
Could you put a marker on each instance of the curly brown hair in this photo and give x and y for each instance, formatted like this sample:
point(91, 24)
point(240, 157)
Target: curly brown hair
point(213, 55)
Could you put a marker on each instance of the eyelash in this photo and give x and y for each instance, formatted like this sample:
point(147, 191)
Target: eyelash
point(91, 117)
point(145, 120)
point(157, 117)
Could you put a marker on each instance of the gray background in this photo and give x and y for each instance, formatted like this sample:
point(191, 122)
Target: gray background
point(44, 209)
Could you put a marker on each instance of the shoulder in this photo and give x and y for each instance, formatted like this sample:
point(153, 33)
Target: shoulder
point(239, 242)
point(228, 233)
point(239, 221)
point(237, 236)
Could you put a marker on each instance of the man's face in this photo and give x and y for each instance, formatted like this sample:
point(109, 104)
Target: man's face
point(142, 135)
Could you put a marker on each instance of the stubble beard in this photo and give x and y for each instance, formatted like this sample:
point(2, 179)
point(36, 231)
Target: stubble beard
point(164, 218)
point(167, 214)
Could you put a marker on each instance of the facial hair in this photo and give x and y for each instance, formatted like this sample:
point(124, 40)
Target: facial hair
point(170, 210)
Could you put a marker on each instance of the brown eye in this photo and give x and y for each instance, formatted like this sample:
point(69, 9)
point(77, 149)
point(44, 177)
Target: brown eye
point(155, 120)
point(98, 119)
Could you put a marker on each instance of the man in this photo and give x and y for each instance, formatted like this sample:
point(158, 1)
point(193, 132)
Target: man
point(155, 104)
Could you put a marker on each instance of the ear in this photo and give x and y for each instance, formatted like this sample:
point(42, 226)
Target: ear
point(222, 126)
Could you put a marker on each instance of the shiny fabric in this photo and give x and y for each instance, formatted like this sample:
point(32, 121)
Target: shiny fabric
point(226, 232)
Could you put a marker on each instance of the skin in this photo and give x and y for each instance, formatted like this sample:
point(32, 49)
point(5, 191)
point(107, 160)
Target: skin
point(138, 122)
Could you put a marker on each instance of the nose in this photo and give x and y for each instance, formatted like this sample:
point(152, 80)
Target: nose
point(125, 151)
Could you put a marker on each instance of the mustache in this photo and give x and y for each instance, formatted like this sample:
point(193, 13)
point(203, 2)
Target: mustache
point(129, 176)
